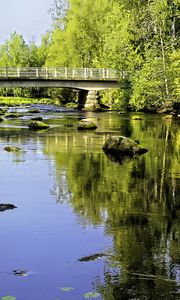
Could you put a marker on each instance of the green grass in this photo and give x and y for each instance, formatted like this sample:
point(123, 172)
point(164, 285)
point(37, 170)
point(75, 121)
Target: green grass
point(16, 101)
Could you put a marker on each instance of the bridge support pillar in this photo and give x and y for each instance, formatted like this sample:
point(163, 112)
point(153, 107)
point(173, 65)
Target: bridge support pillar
point(89, 100)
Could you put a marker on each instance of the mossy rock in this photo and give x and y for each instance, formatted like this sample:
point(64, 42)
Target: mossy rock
point(86, 125)
point(38, 125)
point(1, 119)
point(13, 115)
point(34, 111)
point(12, 149)
point(122, 146)
point(2, 111)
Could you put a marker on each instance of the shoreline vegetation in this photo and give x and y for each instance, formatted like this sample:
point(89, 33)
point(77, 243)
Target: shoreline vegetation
point(138, 37)
point(18, 101)
point(169, 108)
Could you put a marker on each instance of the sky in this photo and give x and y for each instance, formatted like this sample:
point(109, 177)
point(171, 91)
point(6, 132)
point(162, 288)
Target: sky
point(27, 17)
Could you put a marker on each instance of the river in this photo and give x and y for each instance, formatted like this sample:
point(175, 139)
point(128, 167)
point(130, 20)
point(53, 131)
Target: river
point(86, 226)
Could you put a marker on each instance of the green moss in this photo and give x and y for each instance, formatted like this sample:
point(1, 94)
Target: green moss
point(38, 125)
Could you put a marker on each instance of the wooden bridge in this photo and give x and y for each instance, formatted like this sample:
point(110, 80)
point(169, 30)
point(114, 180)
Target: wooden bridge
point(59, 77)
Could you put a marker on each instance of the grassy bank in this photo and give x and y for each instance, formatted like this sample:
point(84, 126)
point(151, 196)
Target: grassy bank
point(17, 101)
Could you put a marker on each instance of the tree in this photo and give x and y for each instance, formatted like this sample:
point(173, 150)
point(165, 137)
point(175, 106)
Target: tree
point(14, 52)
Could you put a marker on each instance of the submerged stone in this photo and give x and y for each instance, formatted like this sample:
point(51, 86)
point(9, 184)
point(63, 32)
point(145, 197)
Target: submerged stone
point(91, 257)
point(13, 115)
point(86, 125)
point(122, 146)
point(20, 273)
point(37, 119)
point(34, 111)
point(8, 206)
point(38, 125)
point(12, 149)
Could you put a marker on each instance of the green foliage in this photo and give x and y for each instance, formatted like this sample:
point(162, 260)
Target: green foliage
point(62, 96)
point(15, 101)
point(14, 52)
point(139, 37)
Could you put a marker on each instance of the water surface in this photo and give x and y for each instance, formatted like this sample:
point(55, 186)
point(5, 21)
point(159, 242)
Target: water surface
point(73, 202)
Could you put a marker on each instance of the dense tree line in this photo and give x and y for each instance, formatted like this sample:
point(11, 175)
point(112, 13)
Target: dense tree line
point(141, 37)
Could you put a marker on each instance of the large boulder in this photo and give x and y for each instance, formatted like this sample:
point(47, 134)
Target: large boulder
point(122, 146)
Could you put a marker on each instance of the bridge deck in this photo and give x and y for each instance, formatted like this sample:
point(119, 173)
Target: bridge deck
point(60, 73)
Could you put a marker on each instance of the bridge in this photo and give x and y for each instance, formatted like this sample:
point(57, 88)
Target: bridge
point(88, 80)
point(77, 78)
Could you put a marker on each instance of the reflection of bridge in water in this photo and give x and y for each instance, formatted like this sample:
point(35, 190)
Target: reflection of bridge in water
point(85, 79)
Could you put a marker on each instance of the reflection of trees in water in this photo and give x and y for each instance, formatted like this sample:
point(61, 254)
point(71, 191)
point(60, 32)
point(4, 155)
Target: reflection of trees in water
point(138, 204)
point(61, 190)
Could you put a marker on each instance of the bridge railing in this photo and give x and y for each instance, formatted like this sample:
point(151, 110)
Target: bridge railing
point(61, 73)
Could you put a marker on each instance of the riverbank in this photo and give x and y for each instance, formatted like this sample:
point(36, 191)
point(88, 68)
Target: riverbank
point(17, 101)
point(168, 108)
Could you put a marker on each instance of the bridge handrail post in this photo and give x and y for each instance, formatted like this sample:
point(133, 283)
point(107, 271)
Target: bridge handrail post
point(85, 75)
point(107, 73)
point(73, 73)
point(66, 72)
point(55, 73)
point(37, 72)
point(46, 72)
point(104, 72)
point(91, 73)
point(18, 72)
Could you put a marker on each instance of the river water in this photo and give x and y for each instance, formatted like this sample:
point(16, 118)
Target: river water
point(85, 225)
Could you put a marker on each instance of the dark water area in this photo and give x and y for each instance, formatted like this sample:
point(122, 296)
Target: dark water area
point(85, 223)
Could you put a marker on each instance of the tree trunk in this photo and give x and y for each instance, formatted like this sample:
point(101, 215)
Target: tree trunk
point(164, 64)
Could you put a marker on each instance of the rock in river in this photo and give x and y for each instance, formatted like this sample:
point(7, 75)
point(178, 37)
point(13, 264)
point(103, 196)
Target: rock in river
point(86, 125)
point(38, 125)
point(122, 146)
point(12, 149)
point(37, 119)
point(8, 206)
point(34, 111)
